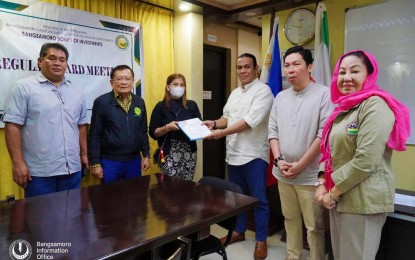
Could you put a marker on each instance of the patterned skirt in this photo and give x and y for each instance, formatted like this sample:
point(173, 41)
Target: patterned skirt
point(181, 161)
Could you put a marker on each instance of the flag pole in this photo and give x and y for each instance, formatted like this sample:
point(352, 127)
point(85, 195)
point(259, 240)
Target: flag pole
point(271, 27)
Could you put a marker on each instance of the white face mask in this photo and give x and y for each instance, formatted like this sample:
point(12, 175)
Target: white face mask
point(176, 92)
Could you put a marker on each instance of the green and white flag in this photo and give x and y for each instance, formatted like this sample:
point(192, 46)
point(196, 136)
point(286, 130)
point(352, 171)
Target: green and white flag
point(321, 67)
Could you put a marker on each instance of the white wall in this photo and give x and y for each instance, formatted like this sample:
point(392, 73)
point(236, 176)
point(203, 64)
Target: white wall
point(188, 60)
point(249, 43)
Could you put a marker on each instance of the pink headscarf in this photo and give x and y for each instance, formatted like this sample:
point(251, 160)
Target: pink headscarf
point(401, 129)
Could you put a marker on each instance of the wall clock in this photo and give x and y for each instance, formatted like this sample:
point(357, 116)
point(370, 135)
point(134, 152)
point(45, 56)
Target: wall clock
point(299, 28)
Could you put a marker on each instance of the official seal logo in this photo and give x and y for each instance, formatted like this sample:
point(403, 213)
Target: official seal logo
point(268, 61)
point(20, 250)
point(352, 128)
point(122, 42)
point(137, 111)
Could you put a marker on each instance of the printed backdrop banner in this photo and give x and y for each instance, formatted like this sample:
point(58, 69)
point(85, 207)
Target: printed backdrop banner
point(95, 43)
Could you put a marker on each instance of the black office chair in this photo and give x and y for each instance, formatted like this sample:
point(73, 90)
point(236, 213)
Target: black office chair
point(212, 244)
point(178, 254)
point(179, 249)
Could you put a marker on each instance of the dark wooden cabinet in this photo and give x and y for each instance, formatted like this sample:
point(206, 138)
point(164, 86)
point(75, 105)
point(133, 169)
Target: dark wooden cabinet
point(398, 238)
point(398, 233)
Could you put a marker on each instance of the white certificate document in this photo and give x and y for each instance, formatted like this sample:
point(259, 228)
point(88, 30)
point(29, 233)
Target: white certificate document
point(194, 129)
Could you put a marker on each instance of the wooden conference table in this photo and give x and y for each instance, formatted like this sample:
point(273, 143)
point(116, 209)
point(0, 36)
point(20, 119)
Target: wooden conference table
point(116, 220)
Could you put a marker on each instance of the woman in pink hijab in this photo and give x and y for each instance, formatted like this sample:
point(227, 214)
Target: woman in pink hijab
point(357, 145)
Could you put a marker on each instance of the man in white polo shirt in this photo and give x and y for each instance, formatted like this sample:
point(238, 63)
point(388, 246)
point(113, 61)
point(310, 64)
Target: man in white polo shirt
point(245, 124)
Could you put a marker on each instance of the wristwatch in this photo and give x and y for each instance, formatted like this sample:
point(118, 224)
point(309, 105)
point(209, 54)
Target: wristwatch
point(277, 159)
point(318, 183)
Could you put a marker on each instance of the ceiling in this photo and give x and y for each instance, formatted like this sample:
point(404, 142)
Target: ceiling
point(242, 13)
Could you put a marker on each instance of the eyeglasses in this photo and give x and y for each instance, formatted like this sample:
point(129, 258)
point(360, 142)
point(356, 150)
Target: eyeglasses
point(118, 80)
